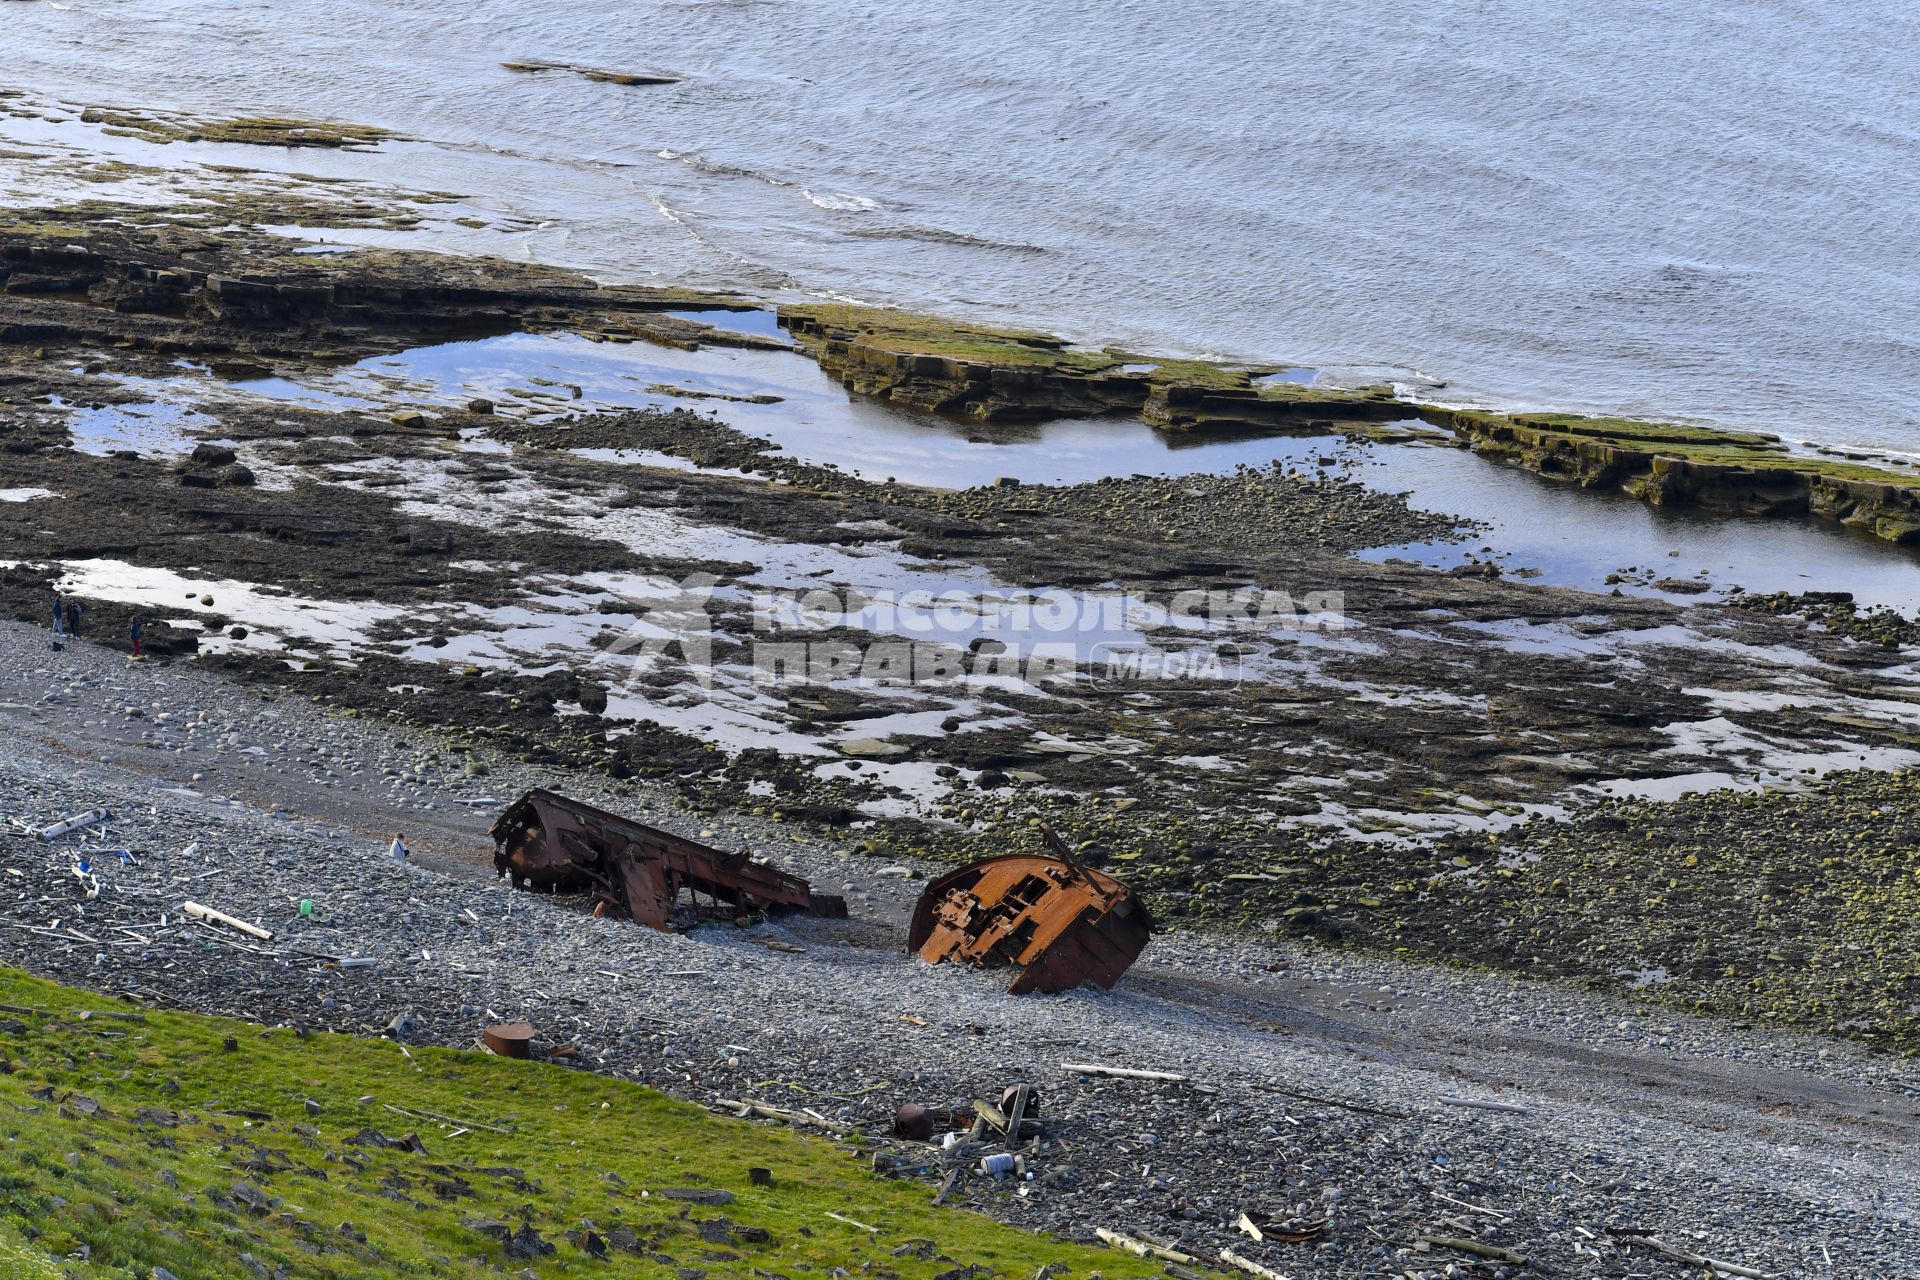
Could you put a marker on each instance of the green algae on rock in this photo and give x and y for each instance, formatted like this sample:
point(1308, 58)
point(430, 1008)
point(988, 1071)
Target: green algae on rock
point(1011, 375)
point(1838, 612)
point(1730, 472)
point(1781, 908)
point(266, 131)
point(190, 284)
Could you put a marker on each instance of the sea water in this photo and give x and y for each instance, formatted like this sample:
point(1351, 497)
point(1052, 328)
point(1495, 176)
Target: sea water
point(1698, 211)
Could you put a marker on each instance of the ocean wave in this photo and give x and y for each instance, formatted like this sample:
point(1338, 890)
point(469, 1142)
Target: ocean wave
point(759, 274)
point(939, 235)
point(834, 201)
point(1861, 450)
point(718, 168)
point(842, 202)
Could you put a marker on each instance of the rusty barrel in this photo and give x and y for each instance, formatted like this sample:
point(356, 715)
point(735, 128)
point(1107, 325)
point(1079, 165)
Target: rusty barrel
point(509, 1039)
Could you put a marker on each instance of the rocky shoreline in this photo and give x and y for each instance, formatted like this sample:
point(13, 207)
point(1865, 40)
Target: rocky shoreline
point(1504, 924)
point(1366, 780)
point(1314, 1080)
point(996, 375)
point(926, 365)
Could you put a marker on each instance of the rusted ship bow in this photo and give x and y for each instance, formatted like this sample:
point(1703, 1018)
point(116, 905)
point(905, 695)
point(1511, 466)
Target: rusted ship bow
point(1060, 921)
point(550, 842)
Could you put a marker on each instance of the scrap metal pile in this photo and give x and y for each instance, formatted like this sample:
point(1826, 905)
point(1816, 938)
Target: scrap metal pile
point(1059, 920)
point(550, 842)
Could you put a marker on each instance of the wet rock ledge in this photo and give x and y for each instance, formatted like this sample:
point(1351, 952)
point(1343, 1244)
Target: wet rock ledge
point(997, 375)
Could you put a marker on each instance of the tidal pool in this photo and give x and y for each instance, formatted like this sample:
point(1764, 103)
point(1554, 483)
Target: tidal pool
point(1535, 528)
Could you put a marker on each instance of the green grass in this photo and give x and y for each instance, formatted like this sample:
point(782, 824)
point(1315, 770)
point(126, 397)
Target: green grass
point(19, 1261)
point(144, 1142)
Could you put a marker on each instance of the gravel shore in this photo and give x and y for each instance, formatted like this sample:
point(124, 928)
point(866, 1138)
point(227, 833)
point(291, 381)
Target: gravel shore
point(1315, 1080)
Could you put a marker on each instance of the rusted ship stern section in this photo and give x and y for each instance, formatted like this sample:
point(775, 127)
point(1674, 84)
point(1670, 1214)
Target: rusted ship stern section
point(549, 842)
point(1062, 922)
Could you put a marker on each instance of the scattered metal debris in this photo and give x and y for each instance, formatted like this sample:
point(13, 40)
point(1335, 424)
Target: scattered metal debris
point(1123, 1073)
point(1142, 1247)
point(1285, 1230)
point(1249, 1266)
point(911, 1120)
point(1481, 1104)
point(1060, 921)
point(999, 1141)
point(547, 841)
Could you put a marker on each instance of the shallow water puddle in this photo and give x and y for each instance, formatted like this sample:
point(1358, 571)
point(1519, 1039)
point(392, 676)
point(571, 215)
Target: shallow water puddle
point(639, 458)
point(732, 715)
point(543, 375)
point(761, 322)
point(1535, 528)
point(1762, 762)
point(275, 620)
point(301, 394)
point(1565, 638)
point(1391, 826)
point(1583, 538)
point(919, 783)
point(155, 427)
point(546, 376)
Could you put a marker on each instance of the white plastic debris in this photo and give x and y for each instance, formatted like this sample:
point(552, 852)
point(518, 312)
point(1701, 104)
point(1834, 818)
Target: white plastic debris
point(74, 823)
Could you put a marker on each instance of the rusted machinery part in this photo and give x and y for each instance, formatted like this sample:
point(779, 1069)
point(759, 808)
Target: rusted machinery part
point(523, 851)
point(1063, 923)
point(509, 1039)
point(911, 1120)
point(1029, 1113)
point(550, 841)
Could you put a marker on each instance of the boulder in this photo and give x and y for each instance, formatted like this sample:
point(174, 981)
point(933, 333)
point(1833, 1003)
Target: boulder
point(871, 748)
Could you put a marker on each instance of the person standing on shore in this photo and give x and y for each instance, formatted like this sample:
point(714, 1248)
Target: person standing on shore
point(58, 610)
point(137, 628)
point(74, 610)
point(59, 625)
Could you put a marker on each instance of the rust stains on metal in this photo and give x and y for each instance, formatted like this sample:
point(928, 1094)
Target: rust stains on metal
point(1060, 921)
point(550, 842)
point(911, 1120)
point(509, 1039)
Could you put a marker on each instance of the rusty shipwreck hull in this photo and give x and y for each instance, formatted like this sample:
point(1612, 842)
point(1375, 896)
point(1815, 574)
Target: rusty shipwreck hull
point(1061, 922)
point(547, 841)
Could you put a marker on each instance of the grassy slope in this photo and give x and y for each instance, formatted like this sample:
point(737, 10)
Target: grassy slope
point(130, 1137)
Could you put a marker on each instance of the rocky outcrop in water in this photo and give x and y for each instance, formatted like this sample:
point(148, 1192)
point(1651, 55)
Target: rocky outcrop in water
point(1730, 472)
point(189, 291)
point(991, 375)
